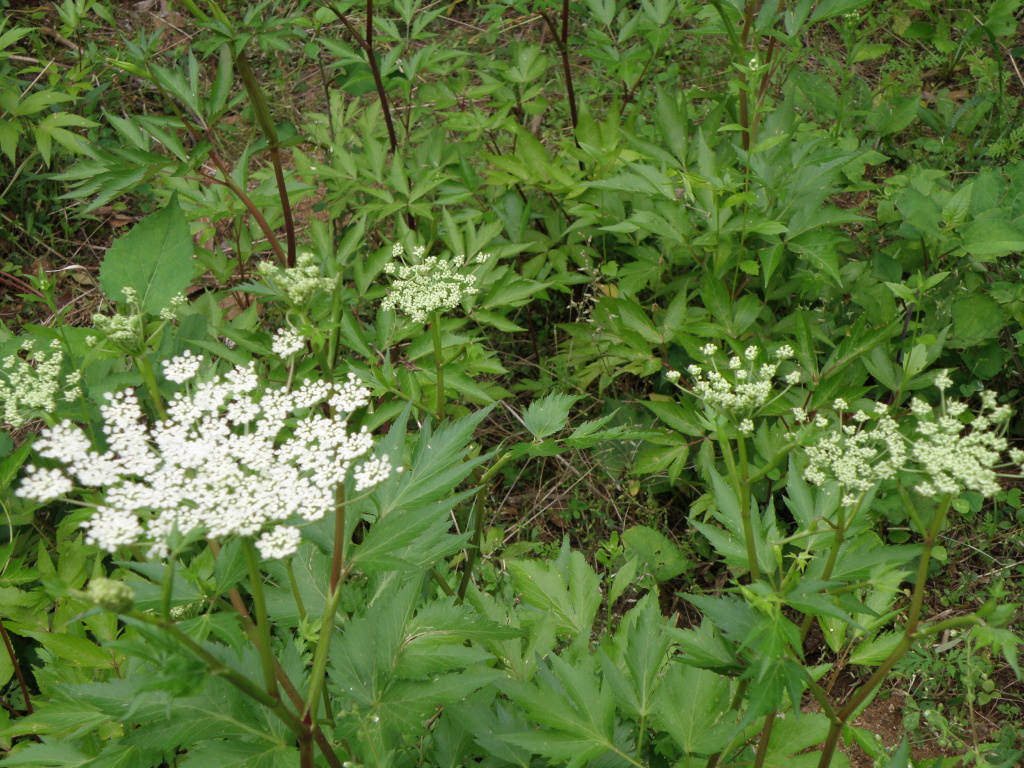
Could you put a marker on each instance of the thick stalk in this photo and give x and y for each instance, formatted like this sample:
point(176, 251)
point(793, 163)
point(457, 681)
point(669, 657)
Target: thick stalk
point(435, 330)
point(17, 669)
point(262, 112)
point(765, 737)
point(472, 551)
point(320, 656)
point(909, 632)
point(338, 555)
point(262, 620)
point(167, 590)
point(741, 486)
point(830, 564)
point(220, 669)
point(149, 378)
point(227, 181)
point(367, 45)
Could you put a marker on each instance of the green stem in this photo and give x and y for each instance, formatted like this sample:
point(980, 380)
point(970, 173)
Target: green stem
point(167, 590)
point(262, 620)
point(338, 555)
point(830, 564)
point(149, 378)
point(435, 329)
point(909, 635)
point(741, 485)
point(295, 589)
point(473, 549)
point(320, 655)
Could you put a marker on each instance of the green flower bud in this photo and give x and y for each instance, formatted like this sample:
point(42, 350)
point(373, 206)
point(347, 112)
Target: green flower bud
point(111, 595)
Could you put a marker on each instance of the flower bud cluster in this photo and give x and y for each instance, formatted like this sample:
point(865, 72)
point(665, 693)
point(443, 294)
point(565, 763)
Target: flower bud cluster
point(742, 387)
point(228, 461)
point(431, 284)
point(110, 595)
point(298, 284)
point(941, 451)
point(33, 383)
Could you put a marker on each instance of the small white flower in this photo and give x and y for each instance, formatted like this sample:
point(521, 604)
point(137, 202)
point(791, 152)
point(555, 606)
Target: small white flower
point(839, 404)
point(784, 352)
point(426, 287)
point(287, 343)
point(735, 363)
point(942, 381)
point(709, 350)
point(673, 376)
point(750, 353)
point(792, 378)
point(183, 367)
point(747, 427)
point(799, 415)
point(283, 541)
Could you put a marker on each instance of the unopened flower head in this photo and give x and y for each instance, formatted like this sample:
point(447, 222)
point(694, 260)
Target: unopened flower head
point(945, 456)
point(31, 383)
point(228, 461)
point(429, 285)
point(856, 457)
point(742, 388)
point(298, 284)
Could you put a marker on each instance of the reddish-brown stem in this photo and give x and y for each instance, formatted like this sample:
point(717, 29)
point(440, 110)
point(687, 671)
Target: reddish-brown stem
point(366, 43)
point(17, 668)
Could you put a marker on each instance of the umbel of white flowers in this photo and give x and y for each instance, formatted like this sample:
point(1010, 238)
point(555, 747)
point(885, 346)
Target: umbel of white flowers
point(32, 384)
point(230, 460)
point(429, 285)
point(945, 455)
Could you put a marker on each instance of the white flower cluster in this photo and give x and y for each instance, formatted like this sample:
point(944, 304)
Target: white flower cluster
point(429, 285)
point(856, 455)
point(287, 343)
point(31, 383)
point(297, 285)
point(745, 388)
point(228, 460)
point(182, 368)
point(952, 460)
point(946, 455)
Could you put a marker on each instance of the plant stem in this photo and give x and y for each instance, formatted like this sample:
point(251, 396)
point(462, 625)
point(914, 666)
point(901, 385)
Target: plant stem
point(830, 564)
point(262, 112)
point(367, 45)
point(262, 620)
point(472, 551)
point(220, 669)
point(167, 590)
point(17, 668)
point(435, 329)
point(762, 742)
point(338, 555)
point(295, 589)
point(146, 371)
point(909, 635)
point(741, 485)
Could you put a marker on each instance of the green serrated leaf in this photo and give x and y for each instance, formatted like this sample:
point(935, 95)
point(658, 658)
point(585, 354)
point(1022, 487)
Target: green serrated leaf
point(155, 259)
point(548, 415)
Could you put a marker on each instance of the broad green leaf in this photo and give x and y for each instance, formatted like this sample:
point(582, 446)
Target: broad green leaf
point(155, 259)
point(689, 706)
point(989, 239)
point(655, 551)
point(548, 415)
point(876, 650)
point(577, 712)
point(976, 318)
point(572, 595)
